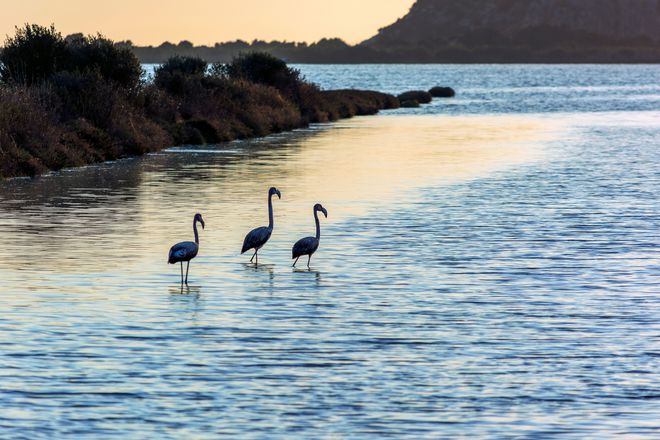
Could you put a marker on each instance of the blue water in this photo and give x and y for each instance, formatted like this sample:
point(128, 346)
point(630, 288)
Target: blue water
point(490, 268)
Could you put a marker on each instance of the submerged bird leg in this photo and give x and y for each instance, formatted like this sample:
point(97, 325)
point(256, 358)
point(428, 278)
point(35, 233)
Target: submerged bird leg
point(182, 273)
point(294, 263)
point(255, 253)
point(187, 267)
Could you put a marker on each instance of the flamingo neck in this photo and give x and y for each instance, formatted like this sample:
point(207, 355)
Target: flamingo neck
point(270, 211)
point(195, 230)
point(318, 225)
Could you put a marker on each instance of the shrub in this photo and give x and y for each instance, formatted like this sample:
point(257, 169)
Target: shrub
point(84, 95)
point(30, 135)
point(33, 55)
point(261, 68)
point(172, 75)
point(420, 96)
point(36, 53)
point(114, 63)
point(184, 65)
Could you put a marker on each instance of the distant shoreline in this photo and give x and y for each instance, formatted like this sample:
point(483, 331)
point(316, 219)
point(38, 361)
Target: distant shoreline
point(336, 51)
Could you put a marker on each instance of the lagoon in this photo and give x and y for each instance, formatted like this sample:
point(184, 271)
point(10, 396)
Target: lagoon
point(489, 268)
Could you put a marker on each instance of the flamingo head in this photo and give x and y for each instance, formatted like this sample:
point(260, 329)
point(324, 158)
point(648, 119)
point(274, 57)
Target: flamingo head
point(319, 207)
point(198, 218)
point(274, 191)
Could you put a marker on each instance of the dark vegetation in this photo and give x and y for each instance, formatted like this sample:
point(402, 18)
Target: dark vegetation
point(332, 50)
point(536, 45)
point(77, 100)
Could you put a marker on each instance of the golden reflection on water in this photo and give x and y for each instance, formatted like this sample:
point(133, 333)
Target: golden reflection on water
point(126, 215)
point(372, 160)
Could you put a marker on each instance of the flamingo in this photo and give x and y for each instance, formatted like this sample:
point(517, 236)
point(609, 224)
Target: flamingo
point(258, 237)
point(309, 245)
point(187, 250)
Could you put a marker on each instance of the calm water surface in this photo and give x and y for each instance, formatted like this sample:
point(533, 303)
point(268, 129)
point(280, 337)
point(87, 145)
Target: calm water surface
point(490, 268)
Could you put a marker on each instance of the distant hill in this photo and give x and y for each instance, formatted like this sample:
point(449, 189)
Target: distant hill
point(476, 31)
point(524, 30)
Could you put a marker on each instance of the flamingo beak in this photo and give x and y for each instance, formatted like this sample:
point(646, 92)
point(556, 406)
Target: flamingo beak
point(325, 212)
point(201, 221)
point(279, 194)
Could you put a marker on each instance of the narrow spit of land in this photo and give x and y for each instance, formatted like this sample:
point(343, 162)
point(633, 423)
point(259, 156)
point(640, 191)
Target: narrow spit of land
point(73, 101)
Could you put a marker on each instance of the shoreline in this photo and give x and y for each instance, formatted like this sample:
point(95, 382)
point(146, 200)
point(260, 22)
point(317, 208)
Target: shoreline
point(81, 101)
point(336, 105)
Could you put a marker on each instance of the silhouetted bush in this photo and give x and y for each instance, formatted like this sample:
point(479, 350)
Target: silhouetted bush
point(33, 55)
point(184, 65)
point(96, 53)
point(442, 92)
point(172, 74)
point(84, 95)
point(36, 53)
point(416, 95)
point(262, 68)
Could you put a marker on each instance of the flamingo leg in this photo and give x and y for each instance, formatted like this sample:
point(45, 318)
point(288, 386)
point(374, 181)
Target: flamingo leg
point(309, 258)
point(187, 267)
point(182, 273)
point(294, 263)
point(255, 253)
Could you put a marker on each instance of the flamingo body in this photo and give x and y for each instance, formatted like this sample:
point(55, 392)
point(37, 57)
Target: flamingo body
point(309, 245)
point(305, 246)
point(257, 238)
point(186, 250)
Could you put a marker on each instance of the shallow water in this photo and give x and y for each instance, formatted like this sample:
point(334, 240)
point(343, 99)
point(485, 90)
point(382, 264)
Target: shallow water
point(490, 272)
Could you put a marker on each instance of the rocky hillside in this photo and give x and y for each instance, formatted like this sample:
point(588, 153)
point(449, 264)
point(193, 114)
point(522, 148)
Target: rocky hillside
point(524, 30)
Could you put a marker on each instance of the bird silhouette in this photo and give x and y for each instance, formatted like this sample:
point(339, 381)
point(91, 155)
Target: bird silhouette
point(258, 237)
point(309, 245)
point(187, 250)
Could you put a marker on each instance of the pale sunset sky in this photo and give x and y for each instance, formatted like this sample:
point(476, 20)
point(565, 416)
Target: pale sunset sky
point(207, 21)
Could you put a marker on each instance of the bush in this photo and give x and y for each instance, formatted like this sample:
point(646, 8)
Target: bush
point(84, 95)
point(262, 68)
point(184, 65)
point(114, 63)
point(33, 55)
point(172, 75)
point(36, 53)
point(25, 126)
point(420, 96)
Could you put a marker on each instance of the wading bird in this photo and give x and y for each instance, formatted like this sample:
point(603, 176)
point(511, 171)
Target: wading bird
point(309, 245)
point(256, 238)
point(186, 250)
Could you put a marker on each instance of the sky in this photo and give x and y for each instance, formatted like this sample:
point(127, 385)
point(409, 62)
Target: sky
point(207, 21)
